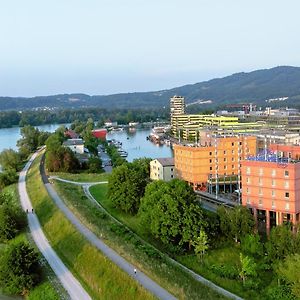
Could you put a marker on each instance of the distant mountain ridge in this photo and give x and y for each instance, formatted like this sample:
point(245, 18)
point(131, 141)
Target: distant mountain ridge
point(256, 86)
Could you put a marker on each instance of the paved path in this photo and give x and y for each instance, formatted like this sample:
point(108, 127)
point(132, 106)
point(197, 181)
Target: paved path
point(69, 282)
point(143, 279)
point(86, 186)
point(76, 182)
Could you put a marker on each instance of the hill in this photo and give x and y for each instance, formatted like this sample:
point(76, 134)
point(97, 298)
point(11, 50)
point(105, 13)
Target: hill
point(256, 87)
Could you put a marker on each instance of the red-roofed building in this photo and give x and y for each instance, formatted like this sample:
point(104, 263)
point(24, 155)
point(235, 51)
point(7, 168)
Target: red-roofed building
point(99, 133)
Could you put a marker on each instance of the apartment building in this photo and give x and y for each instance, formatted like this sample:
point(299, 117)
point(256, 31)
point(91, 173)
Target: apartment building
point(162, 169)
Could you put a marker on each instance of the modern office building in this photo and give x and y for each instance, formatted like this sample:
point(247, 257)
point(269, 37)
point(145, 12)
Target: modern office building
point(271, 185)
point(215, 159)
point(162, 169)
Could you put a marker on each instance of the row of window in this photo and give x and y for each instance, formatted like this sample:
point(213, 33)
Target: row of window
point(273, 193)
point(261, 172)
point(260, 203)
point(273, 182)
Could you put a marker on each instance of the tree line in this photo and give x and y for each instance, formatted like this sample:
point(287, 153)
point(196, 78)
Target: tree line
point(122, 116)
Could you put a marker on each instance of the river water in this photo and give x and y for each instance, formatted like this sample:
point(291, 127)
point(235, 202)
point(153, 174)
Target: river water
point(133, 141)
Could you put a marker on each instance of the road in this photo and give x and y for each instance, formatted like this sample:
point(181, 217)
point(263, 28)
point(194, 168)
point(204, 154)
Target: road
point(77, 182)
point(69, 282)
point(140, 277)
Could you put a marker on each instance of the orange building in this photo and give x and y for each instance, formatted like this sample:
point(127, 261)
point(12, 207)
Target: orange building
point(271, 185)
point(216, 156)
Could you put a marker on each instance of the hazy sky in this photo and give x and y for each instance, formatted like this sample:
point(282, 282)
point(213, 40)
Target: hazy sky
point(110, 46)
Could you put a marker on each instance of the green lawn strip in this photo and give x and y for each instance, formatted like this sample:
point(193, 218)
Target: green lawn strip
point(82, 177)
point(169, 276)
point(101, 278)
point(48, 287)
point(228, 256)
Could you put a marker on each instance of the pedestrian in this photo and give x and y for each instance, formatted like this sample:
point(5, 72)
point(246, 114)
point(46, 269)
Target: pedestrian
point(134, 270)
point(32, 210)
point(26, 210)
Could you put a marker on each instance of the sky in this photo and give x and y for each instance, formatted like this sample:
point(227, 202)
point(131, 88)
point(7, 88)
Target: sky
point(110, 46)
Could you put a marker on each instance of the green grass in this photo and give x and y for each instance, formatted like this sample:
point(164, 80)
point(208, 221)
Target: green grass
point(172, 278)
point(82, 177)
point(45, 289)
point(228, 256)
point(101, 278)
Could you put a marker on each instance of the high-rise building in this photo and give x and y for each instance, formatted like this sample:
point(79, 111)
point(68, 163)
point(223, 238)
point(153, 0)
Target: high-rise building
point(177, 106)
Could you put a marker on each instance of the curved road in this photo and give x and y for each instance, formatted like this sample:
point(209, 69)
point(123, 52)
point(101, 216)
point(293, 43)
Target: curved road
point(69, 282)
point(143, 279)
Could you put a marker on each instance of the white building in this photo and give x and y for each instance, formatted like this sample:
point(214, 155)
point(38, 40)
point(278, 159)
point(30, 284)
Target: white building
point(76, 145)
point(162, 169)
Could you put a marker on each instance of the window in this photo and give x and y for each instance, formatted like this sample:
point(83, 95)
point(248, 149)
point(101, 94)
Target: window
point(287, 206)
point(225, 167)
point(171, 169)
point(286, 184)
point(210, 153)
point(261, 172)
point(248, 200)
point(248, 170)
point(287, 195)
point(248, 180)
point(273, 204)
point(241, 143)
point(172, 176)
point(225, 159)
point(286, 173)
point(273, 182)
point(260, 181)
point(260, 192)
point(210, 161)
point(273, 193)
point(232, 166)
point(210, 168)
point(273, 172)
point(247, 190)
point(232, 159)
point(232, 144)
point(224, 152)
point(232, 151)
point(260, 202)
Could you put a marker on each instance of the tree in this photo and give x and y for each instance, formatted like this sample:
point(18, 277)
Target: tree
point(170, 212)
point(248, 267)
point(235, 222)
point(29, 141)
point(289, 271)
point(10, 159)
point(19, 268)
point(251, 245)
point(127, 185)
point(280, 243)
point(12, 220)
point(201, 244)
point(8, 177)
point(95, 164)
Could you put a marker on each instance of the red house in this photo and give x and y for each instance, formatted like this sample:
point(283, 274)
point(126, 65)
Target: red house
point(99, 133)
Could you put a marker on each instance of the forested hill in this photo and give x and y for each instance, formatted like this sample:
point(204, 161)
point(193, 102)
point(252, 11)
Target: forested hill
point(256, 86)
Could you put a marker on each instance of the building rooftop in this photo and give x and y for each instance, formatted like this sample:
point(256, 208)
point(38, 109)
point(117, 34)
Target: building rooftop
point(73, 142)
point(165, 162)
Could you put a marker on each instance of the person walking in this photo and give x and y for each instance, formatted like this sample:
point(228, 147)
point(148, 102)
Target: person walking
point(134, 270)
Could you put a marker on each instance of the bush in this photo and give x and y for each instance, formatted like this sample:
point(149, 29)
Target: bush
point(19, 268)
point(8, 177)
point(224, 271)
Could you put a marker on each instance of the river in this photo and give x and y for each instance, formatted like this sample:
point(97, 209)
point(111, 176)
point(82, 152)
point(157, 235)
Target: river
point(134, 141)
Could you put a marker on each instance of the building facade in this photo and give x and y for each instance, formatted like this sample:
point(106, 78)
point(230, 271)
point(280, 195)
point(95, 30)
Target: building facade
point(76, 145)
point(271, 187)
point(162, 169)
point(215, 157)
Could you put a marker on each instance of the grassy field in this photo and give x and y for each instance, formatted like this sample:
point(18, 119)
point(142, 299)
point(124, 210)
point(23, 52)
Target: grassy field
point(228, 256)
point(82, 177)
point(144, 257)
point(45, 289)
point(101, 278)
